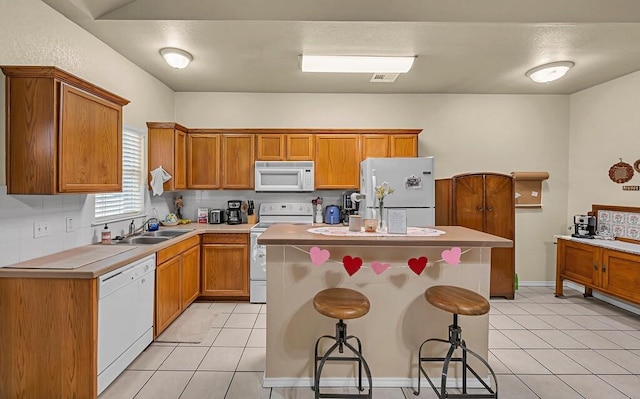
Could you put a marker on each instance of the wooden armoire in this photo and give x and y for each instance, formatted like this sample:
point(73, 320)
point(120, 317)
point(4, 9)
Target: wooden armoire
point(483, 202)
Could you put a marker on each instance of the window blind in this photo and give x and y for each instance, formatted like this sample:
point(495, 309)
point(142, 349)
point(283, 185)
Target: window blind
point(130, 200)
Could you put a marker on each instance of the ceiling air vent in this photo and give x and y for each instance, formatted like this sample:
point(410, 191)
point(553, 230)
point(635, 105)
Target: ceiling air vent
point(384, 77)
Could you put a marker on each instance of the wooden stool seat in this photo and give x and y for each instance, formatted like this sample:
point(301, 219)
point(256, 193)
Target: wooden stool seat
point(341, 303)
point(457, 300)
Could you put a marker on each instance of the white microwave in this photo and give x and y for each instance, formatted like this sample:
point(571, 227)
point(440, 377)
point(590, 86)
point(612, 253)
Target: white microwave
point(284, 176)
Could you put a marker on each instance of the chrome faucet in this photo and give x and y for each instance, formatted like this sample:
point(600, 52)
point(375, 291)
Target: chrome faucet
point(132, 227)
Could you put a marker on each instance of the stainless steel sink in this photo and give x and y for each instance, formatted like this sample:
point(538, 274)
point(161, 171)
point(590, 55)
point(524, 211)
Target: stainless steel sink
point(165, 233)
point(138, 240)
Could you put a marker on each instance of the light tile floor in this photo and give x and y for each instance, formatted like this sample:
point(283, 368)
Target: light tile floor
point(540, 347)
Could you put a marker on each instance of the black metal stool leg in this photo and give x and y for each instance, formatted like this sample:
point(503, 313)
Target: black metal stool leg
point(340, 341)
point(455, 341)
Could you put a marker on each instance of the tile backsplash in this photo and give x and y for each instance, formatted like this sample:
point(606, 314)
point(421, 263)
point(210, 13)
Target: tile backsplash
point(619, 224)
point(18, 213)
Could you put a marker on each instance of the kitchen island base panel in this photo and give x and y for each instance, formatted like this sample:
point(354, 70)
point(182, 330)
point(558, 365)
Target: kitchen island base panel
point(400, 319)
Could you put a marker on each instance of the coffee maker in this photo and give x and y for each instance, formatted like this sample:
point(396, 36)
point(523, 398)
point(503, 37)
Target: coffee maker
point(584, 226)
point(349, 207)
point(234, 215)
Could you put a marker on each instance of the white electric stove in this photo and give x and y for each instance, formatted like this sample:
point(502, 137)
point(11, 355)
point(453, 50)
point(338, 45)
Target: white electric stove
point(271, 213)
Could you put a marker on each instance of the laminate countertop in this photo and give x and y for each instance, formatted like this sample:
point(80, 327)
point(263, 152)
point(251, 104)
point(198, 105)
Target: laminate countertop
point(81, 262)
point(609, 244)
point(290, 234)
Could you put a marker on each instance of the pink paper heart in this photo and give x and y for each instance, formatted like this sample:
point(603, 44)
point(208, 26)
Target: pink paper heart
point(452, 256)
point(378, 267)
point(351, 265)
point(318, 256)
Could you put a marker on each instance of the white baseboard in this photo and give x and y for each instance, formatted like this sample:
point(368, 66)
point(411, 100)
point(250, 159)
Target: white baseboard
point(596, 294)
point(622, 304)
point(307, 382)
point(536, 283)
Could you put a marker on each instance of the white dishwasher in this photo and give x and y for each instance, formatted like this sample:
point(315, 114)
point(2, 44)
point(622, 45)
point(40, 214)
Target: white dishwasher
point(125, 317)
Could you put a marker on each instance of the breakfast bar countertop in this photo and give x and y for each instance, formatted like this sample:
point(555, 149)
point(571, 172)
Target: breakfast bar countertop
point(83, 262)
point(291, 234)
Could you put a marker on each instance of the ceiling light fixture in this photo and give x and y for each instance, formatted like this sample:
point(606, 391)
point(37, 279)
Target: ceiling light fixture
point(355, 64)
point(549, 72)
point(175, 57)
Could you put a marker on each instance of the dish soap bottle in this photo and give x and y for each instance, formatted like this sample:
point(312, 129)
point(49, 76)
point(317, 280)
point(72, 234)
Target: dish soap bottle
point(106, 235)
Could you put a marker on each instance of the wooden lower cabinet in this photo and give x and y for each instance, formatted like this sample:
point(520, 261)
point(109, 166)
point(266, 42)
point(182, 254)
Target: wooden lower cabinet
point(48, 338)
point(190, 276)
point(177, 281)
point(606, 270)
point(225, 265)
point(168, 295)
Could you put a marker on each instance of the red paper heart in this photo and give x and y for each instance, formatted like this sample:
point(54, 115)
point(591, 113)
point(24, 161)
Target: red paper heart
point(351, 265)
point(418, 265)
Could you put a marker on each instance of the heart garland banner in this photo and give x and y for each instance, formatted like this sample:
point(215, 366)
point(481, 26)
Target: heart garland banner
point(319, 256)
point(352, 265)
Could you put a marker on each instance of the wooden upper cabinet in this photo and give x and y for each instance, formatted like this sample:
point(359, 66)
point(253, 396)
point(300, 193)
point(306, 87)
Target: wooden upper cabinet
point(168, 148)
point(374, 146)
point(403, 145)
point(337, 161)
point(300, 147)
point(271, 147)
point(284, 147)
point(64, 135)
point(389, 144)
point(203, 161)
point(238, 161)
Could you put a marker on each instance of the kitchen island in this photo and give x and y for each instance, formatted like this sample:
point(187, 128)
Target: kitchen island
point(392, 275)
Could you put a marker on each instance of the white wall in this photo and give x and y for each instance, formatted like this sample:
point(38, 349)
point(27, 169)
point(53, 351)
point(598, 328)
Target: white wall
point(466, 133)
point(31, 33)
point(605, 126)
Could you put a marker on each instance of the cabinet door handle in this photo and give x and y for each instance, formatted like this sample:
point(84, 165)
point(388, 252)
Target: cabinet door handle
point(479, 208)
point(604, 267)
point(595, 266)
point(490, 208)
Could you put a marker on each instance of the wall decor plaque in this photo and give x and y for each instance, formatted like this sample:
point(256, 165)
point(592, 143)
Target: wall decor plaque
point(621, 172)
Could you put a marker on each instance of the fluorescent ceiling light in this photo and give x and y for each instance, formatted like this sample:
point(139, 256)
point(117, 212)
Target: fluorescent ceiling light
point(355, 64)
point(549, 72)
point(175, 57)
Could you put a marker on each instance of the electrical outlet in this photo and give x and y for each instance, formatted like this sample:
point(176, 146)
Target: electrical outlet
point(37, 229)
point(41, 229)
point(46, 229)
point(69, 224)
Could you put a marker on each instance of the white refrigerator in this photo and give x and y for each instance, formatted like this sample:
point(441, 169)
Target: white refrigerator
point(413, 182)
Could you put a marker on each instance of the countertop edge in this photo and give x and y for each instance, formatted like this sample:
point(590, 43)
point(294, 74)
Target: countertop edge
point(454, 236)
point(621, 246)
point(98, 268)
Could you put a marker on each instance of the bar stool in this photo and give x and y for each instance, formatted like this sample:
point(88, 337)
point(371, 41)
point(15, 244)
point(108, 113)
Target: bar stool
point(458, 301)
point(341, 303)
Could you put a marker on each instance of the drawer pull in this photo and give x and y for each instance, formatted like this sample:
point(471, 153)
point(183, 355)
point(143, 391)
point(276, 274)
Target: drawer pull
point(595, 266)
point(604, 267)
point(490, 208)
point(479, 208)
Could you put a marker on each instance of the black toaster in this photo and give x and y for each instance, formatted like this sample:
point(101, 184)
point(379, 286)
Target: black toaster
point(216, 216)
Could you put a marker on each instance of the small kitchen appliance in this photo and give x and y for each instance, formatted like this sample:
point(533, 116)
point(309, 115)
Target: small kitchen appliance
point(349, 207)
point(216, 216)
point(234, 214)
point(584, 226)
point(332, 214)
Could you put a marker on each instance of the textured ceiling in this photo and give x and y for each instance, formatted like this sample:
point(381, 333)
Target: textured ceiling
point(463, 46)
